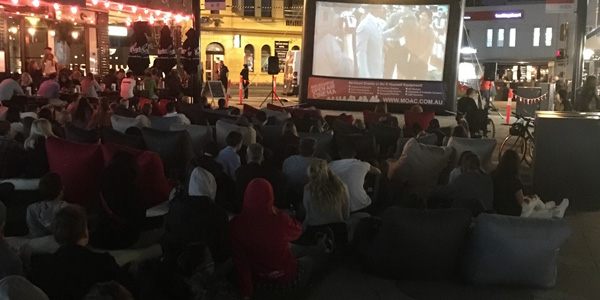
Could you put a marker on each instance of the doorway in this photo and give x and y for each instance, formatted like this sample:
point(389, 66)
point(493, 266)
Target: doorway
point(215, 54)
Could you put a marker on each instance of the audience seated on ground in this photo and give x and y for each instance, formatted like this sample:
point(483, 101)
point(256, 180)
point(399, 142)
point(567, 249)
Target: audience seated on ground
point(13, 158)
point(10, 262)
point(295, 167)
point(222, 107)
point(287, 144)
point(70, 272)
point(228, 157)
point(172, 112)
point(17, 288)
point(144, 116)
point(41, 215)
point(352, 172)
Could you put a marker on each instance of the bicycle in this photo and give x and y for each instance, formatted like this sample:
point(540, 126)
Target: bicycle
point(520, 139)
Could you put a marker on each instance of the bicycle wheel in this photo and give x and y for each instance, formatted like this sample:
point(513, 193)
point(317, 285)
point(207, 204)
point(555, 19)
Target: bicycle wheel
point(490, 129)
point(516, 143)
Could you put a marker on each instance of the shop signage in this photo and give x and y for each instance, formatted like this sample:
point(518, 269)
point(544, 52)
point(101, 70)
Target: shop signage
point(214, 4)
point(560, 6)
point(493, 15)
point(281, 50)
point(388, 91)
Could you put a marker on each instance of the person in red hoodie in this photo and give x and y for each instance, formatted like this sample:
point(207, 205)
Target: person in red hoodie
point(260, 239)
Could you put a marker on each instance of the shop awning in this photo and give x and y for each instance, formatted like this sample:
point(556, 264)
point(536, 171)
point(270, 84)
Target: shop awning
point(175, 6)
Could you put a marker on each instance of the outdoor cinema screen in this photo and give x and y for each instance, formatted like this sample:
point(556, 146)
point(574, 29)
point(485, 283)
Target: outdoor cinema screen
point(375, 41)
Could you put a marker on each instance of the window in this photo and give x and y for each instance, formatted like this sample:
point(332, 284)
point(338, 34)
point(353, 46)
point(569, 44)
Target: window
point(265, 8)
point(536, 37)
point(249, 57)
point(512, 37)
point(548, 36)
point(265, 52)
point(490, 38)
point(249, 8)
point(500, 42)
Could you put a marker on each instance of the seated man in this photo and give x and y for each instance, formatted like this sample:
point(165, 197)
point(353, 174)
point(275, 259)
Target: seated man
point(10, 87)
point(10, 263)
point(228, 157)
point(49, 89)
point(41, 215)
point(295, 167)
point(70, 272)
point(352, 172)
point(472, 183)
point(172, 112)
point(255, 169)
point(467, 102)
point(222, 107)
point(13, 158)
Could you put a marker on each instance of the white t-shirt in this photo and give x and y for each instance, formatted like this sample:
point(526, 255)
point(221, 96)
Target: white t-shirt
point(352, 172)
point(49, 67)
point(183, 119)
point(127, 86)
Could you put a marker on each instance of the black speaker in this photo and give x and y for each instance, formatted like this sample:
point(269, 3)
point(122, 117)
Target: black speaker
point(489, 73)
point(273, 65)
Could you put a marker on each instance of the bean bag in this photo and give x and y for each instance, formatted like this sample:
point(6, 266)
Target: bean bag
point(373, 117)
point(80, 135)
point(280, 116)
point(276, 108)
point(163, 123)
point(419, 244)
point(270, 134)
point(419, 164)
point(484, 148)
point(507, 250)
point(305, 124)
point(249, 110)
point(324, 142)
point(422, 119)
point(155, 187)
point(212, 117)
point(109, 135)
point(121, 124)
point(27, 122)
point(301, 112)
point(200, 135)
point(341, 127)
point(430, 139)
point(191, 111)
point(173, 147)
point(16, 194)
point(343, 117)
point(223, 129)
point(364, 144)
point(79, 166)
point(162, 107)
point(385, 135)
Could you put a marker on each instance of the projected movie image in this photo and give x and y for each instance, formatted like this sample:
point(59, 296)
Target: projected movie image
point(393, 42)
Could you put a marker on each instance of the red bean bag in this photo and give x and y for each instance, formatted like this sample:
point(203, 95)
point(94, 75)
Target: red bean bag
point(276, 108)
point(154, 185)
point(155, 110)
point(343, 117)
point(79, 166)
point(250, 110)
point(301, 112)
point(373, 117)
point(162, 107)
point(422, 119)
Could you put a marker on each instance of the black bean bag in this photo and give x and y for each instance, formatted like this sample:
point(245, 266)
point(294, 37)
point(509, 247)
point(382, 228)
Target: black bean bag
point(174, 148)
point(324, 141)
point(385, 135)
point(109, 135)
point(80, 135)
point(417, 244)
point(270, 134)
point(305, 124)
point(163, 123)
point(27, 121)
point(364, 144)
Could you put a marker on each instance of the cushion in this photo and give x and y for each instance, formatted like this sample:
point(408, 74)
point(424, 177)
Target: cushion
point(191, 111)
point(419, 244)
point(162, 107)
point(430, 139)
point(270, 134)
point(200, 135)
point(484, 148)
point(174, 149)
point(385, 135)
point(342, 127)
point(514, 251)
point(249, 110)
point(154, 186)
point(27, 122)
point(274, 107)
point(80, 135)
point(21, 184)
point(343, 117)
point(305, 124)
point(109, 135)
point(373, 117)
point(224, 128)
point(364, 144)
point(419, 164)
point(162, 123)
point(121, 124)
point(324, 142)
point(79, 166)
point(422, 119)
point(279, 115)
point(212, 117)
point(301, 112)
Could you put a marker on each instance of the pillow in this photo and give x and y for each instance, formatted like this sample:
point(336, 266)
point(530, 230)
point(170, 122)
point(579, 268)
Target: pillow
point(279, 115)
point(249, 110)
point(484, 148)
point(163, 123)
point(276, 108)
point(109, 135)
point(162, 107)
point(224, 128)
point(514, 251)
point(121, 124)
point(419, 164)
point(80, 135)
point(422, 119)
point(419, 244)
point(174, 149)
point(341, 127)
point(154, 186)
point(343, 117)
point(373, 117)
point(385, 135)
point(200, 135)
point(21, 184)
point(79, 166)
point(305, 124)
point(301, 112)
point(430, 139)
point(324, 142)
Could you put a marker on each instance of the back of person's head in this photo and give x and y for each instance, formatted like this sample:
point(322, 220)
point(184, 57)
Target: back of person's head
point(64, 117)
point(459, 131)
point(235, 111)
point(261, 116)
point(13, 114)
point(39, 128)
point(203, 100)
point(307, 147)
point(135, 131)
point(434, 124)
point(211, 149)
point(471, 163)
point(470, 92)
point(108, 291)
point(89, 76)
point(234, 139)
point(70, 225)
point(45, 113)
point(111, 71)
point(50, 186)
point(221, 102)
point(242, 121)
point(290, 128)
point(84, 110)
point(416, 108)
point(416, 128)
point(52, 76)
point(255, 153)
point(16, 76)
point(327, 190)
point(381, 108)
point(122, 168)
point(563, 94)
point(148, 74)
point(154, 72)
point(358, 123)
point(4, 127)
point(147, 109)
point(461, 159)
point(508, 164)
point(170, 106)
point(129, 74)
point(347, 152)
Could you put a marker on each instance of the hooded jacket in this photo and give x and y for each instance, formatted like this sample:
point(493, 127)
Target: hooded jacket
point(260, 238)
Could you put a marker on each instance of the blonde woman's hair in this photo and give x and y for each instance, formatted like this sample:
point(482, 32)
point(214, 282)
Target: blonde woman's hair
point(327, 190)
point(39, 128)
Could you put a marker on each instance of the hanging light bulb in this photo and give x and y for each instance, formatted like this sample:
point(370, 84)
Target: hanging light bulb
point(74, 9)
point(120, 6)
point(128, 21)
point(178, 18)
point(56, 6)
point(146, 10)
point(75, 34)
point(133, 9)
point(151, 19)
point(52, 32)
point(187, 18)
point(15, 2)
point(94, 2)
point(158, 12)
point(31, 31)
point(106, 4)
point(35, 3)
point(140, 18)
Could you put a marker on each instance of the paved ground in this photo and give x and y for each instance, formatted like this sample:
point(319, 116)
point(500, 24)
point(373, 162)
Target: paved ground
point(578, 263)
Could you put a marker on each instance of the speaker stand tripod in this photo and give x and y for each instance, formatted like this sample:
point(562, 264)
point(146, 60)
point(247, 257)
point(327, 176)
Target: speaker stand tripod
point(272, 94)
